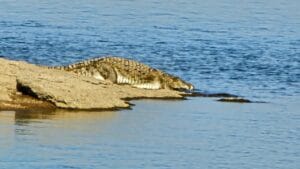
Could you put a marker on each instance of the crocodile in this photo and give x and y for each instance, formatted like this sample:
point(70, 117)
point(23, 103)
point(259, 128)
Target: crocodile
point(125, 71)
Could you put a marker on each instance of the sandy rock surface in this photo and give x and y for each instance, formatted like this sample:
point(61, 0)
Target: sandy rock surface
point(27, 86)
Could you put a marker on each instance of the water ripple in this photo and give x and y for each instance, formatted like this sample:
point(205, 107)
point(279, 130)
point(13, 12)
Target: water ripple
point(224, 52)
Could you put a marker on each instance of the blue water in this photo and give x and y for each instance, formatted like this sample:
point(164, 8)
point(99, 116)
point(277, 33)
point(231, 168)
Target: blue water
point(249, 48)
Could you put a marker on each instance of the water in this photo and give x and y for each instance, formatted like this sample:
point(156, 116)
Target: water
point(249, 48)
point(198, 133)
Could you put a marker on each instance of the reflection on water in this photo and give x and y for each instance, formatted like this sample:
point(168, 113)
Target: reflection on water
point(24, 120)
point(7, 120)
point(22, 117)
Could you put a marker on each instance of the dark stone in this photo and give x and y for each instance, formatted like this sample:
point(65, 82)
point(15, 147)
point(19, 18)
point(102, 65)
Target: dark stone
point(234, 100)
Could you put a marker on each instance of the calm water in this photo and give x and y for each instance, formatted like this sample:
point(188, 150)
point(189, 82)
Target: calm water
point(198, 133)
point(249, 48)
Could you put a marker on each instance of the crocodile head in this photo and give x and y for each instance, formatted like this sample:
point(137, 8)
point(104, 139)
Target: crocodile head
point(178, 84)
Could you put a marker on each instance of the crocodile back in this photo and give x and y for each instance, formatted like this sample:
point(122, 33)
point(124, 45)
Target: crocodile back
point(126, 71)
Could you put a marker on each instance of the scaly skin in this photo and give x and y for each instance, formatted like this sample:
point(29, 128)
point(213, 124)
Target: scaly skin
point(124, 71)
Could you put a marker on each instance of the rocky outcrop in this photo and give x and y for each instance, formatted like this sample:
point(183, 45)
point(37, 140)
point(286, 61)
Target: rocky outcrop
point(26, 86)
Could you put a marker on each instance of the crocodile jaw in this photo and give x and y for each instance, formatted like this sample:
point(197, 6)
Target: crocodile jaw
point(176, 83)
point(185, 86)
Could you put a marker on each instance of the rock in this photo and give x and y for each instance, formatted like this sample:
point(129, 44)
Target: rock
point(202, 94)
point(4, 96)
point(234, 99)
point(64, 90)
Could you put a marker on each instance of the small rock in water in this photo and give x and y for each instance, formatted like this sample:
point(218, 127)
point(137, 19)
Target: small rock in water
point(234, 99)
point(202, 94)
